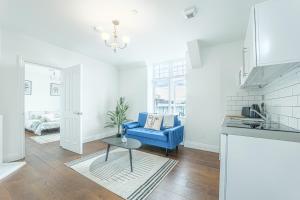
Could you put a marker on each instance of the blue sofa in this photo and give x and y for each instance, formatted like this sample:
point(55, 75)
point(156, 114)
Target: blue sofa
point(168, 138)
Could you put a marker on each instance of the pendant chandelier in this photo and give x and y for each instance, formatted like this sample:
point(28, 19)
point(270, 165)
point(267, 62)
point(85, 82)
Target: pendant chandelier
point(115, 43)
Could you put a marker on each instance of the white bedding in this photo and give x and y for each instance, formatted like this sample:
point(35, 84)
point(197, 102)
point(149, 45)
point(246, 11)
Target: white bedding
point(38, 126)
point(37, 122)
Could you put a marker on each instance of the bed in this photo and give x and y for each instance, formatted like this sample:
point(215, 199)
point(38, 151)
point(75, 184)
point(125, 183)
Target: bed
point(41, 123)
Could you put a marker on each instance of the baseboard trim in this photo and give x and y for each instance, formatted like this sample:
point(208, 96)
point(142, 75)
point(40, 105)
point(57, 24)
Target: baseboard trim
point(13, 157)
point(8, 168)
point(202, 146)
point(97, 136)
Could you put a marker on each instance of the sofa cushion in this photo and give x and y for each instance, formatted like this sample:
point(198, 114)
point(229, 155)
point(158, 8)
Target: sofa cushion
point(148, 133)
point(176, 123)
point(154, 122)
point(168, 121)
point(142, 119)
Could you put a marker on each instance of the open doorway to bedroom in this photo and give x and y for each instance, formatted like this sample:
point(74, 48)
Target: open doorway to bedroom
point(42, 98)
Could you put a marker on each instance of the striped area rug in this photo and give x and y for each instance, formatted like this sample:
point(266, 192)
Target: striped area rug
point(43, 139)
point(148, 171)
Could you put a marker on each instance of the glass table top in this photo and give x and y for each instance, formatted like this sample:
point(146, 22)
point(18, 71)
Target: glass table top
point(116, 141)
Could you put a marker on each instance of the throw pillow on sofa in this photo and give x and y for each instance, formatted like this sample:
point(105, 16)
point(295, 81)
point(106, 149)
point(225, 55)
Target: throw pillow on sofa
point(168, 121)
point(153, 121)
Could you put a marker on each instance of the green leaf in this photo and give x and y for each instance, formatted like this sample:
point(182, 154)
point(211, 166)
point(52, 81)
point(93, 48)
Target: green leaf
point(118, 116)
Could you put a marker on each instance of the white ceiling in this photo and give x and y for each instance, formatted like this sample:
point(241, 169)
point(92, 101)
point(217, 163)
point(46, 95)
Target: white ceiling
point(158, 32)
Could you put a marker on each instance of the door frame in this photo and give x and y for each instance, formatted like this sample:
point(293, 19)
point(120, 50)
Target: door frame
point(21, 77)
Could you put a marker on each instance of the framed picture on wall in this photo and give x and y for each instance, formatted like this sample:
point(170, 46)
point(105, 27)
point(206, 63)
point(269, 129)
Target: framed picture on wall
point(27, 87)
point(55, 89)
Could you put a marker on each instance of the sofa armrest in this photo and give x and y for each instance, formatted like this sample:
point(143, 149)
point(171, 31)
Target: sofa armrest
point(175, 135)
point(129, 125)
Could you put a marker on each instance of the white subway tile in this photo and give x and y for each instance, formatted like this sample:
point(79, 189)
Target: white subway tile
point(237, 112)
point(285, 101)
point(296, 89)
point(291, 101)
point(277, 110)
point(275, 94)
point(228, 108)
point(258, 98)
point(236, 108)
point(284, 120)
point(285, 92)
point(229, 112)
point(268, 96)
point(293, 122)
point(237, 98)
point(249, 98)
point(296, 112)
point(275, 118)
point(298, 104)
point(287, 111)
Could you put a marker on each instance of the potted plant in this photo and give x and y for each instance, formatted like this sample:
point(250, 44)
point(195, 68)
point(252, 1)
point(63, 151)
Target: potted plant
point(118, 117)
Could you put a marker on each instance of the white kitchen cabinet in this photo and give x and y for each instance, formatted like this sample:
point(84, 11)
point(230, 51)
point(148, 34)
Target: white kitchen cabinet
point(249, 50)
point(278, 30)
point(223, 159)
point(260, 169)
point(272, 42)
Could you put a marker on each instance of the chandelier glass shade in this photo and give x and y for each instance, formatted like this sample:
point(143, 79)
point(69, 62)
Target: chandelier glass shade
point(114, 41)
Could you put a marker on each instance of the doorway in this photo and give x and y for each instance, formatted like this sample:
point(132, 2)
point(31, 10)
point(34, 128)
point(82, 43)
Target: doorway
point(42, 103)
point(55, 111)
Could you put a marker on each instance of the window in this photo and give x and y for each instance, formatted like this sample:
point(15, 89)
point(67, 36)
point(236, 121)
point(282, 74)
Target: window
point(169, 88)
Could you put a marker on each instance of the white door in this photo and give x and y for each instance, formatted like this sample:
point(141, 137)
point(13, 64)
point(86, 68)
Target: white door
point(71, 122)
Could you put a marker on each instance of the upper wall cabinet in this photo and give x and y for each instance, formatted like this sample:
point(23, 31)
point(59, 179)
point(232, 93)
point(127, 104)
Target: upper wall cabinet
point(272, 42)
point(249, 50)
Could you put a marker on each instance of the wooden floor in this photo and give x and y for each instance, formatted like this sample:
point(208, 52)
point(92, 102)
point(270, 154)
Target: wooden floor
point(196, 177)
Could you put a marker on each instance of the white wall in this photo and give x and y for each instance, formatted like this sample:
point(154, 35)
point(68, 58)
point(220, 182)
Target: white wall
point(207, 91)
point(133, 86)
point(208, 88)
point(11, 109)
point(100, 87)
point(40, 98)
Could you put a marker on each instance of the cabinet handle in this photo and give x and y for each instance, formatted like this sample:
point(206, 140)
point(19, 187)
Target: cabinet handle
point(243, 71)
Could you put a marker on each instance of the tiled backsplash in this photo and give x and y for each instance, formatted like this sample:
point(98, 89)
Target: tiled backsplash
point(234, 104)
point(282, 99)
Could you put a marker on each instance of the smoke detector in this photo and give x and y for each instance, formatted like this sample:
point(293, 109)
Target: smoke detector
point(190, 12)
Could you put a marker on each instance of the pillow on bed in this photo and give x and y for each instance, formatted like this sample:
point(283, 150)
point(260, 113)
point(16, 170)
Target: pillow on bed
point(35, 116)
point(49, 117)
point(34, 124)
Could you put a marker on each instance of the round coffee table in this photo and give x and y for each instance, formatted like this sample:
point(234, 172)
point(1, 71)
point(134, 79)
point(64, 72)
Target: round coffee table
point(116, 141)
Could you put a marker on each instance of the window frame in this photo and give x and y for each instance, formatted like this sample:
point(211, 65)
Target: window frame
point(170, 79)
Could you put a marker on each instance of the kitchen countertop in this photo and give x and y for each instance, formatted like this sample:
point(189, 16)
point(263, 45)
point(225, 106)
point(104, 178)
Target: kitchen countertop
point(289, 134)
